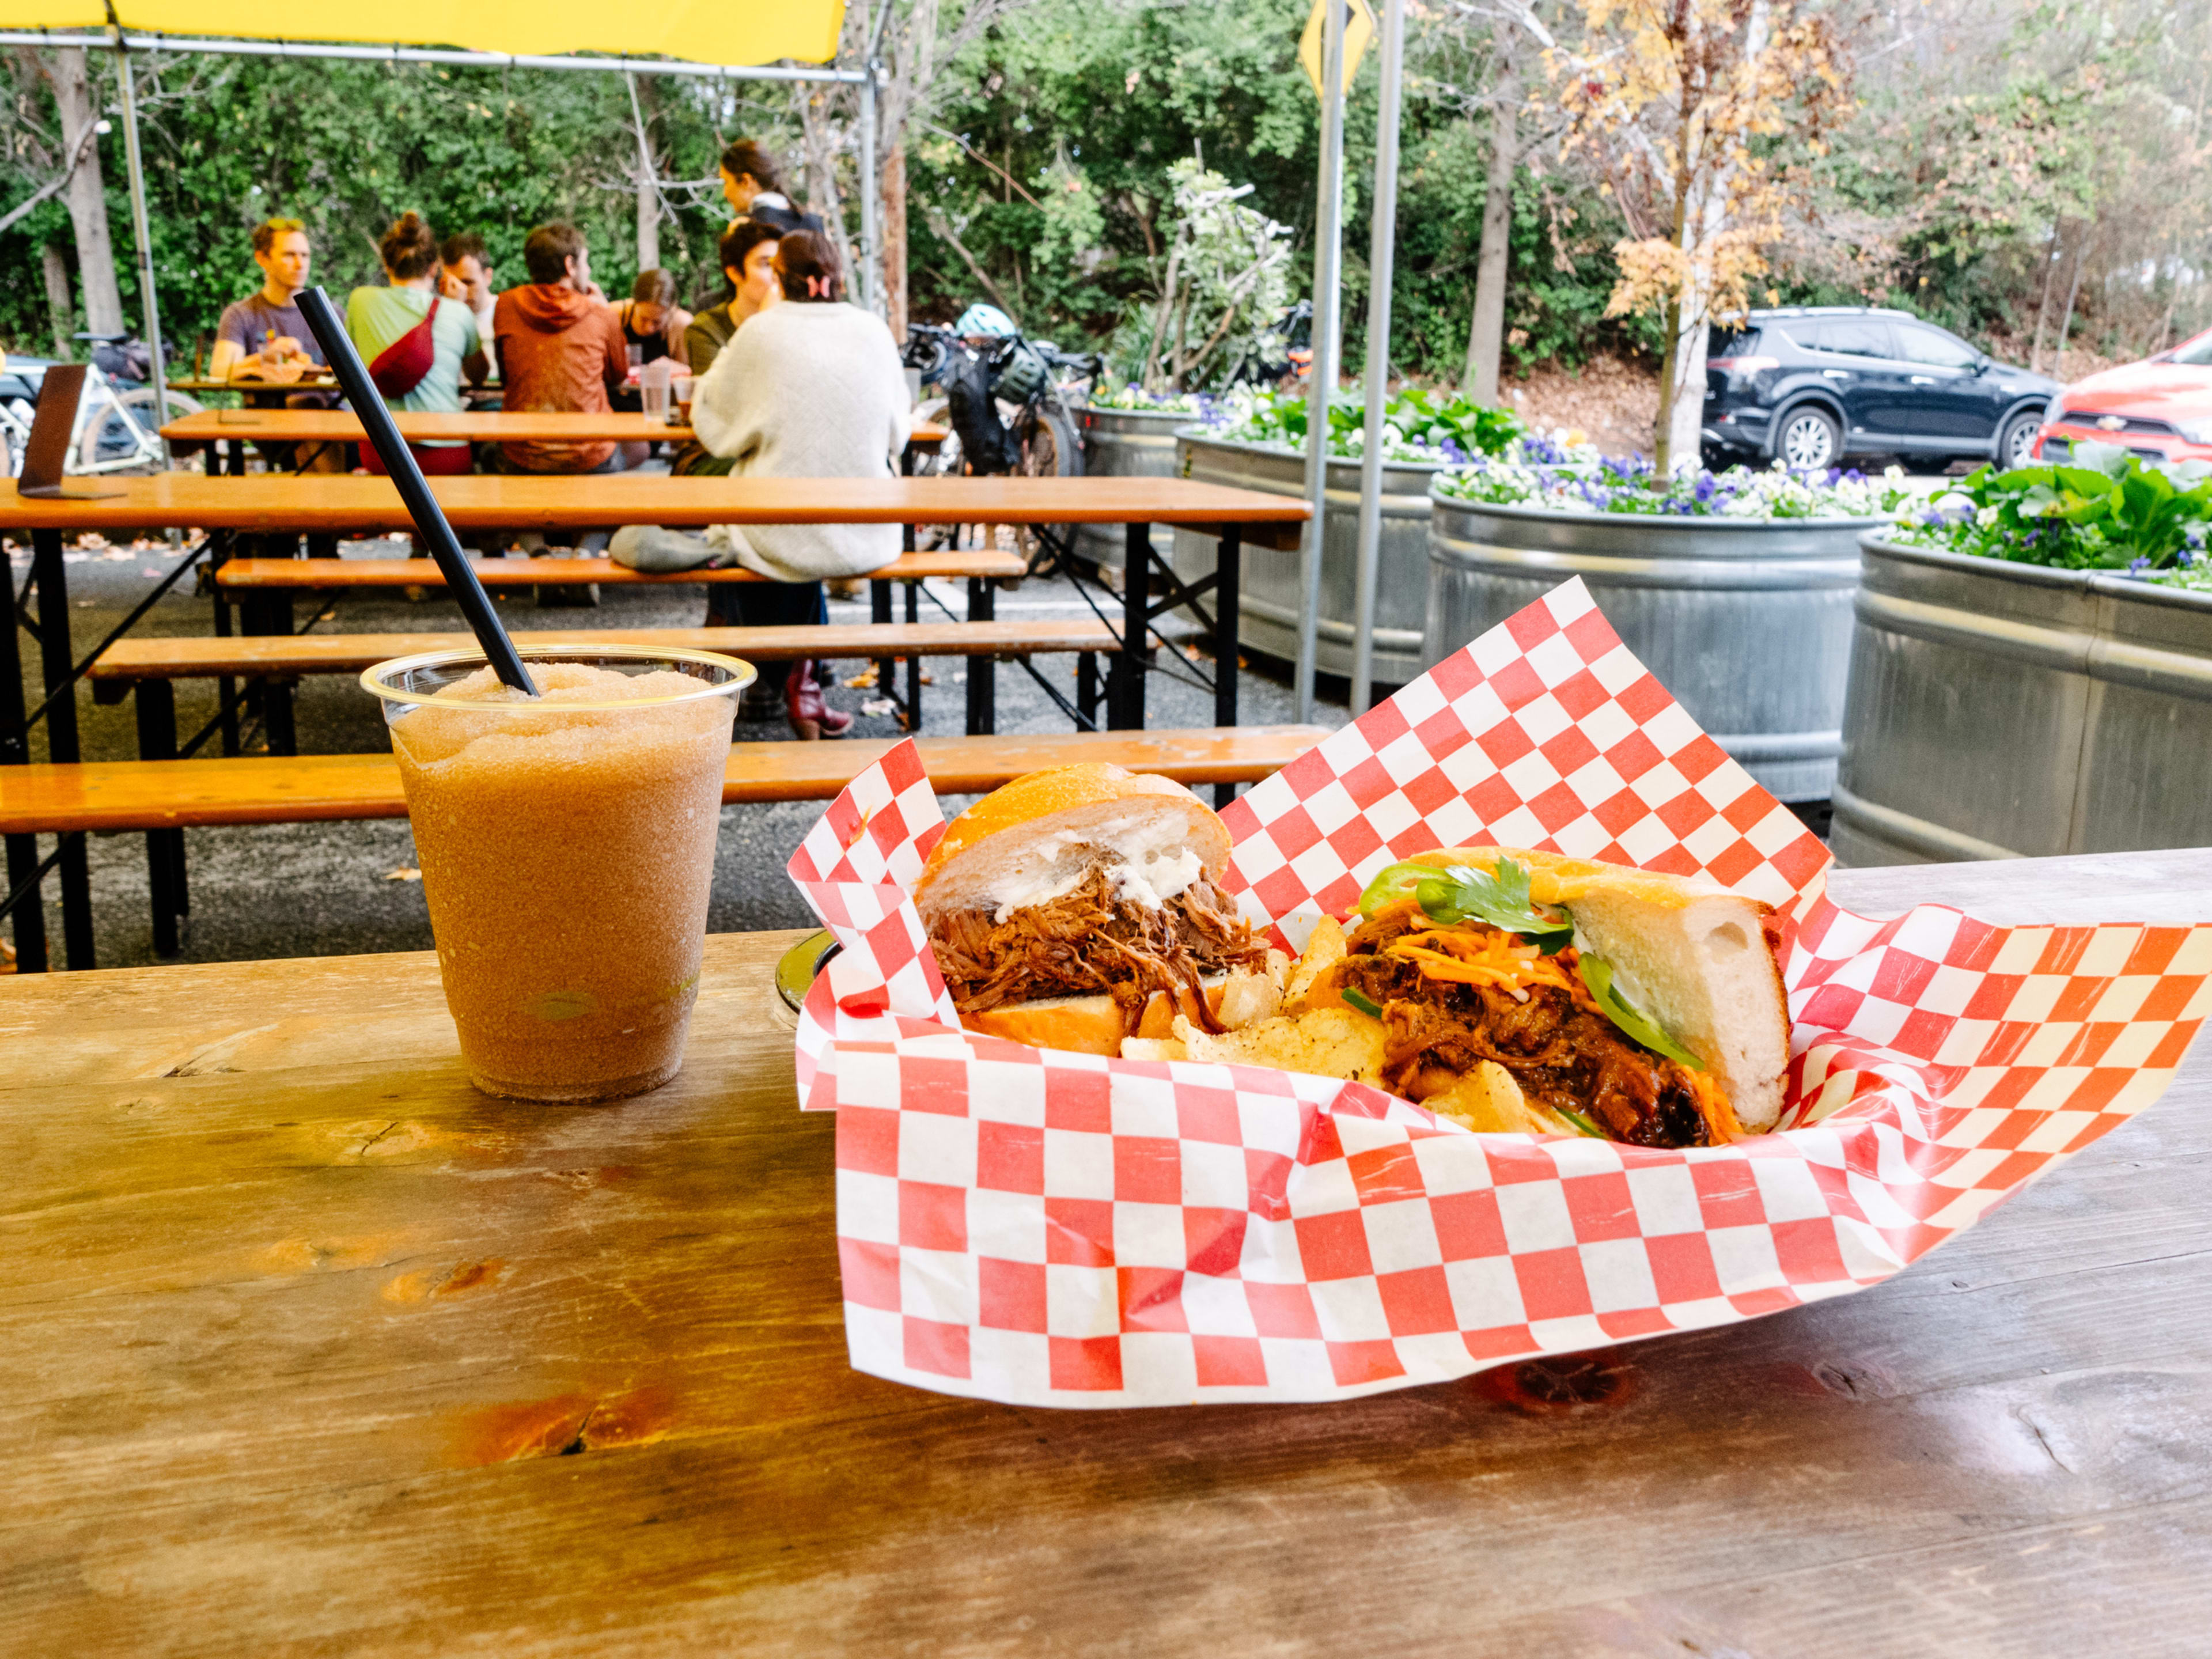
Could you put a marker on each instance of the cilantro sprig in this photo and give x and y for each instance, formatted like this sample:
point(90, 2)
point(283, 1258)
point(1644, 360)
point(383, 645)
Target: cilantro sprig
point(1466, 893)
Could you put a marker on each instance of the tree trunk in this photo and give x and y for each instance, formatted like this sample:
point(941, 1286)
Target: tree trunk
point(2066, 324)
point(58, 306)
point(824, 199)
point(894, 236)
point(648, 223)
point(1486, 338)
point(2043, 304)
point(86, 196)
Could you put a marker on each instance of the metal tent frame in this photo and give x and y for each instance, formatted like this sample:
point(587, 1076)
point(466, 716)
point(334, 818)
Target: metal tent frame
point(868, 79)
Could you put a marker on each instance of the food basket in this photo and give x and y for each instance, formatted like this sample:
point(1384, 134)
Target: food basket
point(1055, 1229)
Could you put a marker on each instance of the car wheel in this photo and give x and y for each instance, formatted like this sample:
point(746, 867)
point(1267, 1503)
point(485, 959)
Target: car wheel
point(2016, 444)
point(1810, 440)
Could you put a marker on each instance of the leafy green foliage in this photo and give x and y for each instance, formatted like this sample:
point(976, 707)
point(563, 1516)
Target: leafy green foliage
point(1597, 976)
point(1417, 425)
point(2107, 509)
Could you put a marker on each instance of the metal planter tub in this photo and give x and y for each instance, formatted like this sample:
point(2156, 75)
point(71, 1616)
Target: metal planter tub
point(1123, 443)
point(1268, 618)
point(2002, 710)
point(1747, 621)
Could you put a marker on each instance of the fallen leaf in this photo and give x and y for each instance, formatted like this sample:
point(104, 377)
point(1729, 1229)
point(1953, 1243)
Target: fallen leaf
point(861, 682)
point(404, 872)
point(874, 706)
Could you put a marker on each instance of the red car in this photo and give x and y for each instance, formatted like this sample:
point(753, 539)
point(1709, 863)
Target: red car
point(2161, 408)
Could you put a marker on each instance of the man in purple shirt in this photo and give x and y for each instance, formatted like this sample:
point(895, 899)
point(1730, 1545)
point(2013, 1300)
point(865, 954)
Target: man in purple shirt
point(263, 340)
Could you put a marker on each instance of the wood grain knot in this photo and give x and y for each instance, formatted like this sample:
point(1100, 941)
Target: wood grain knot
point(1569, 1383)
point(565, 1425)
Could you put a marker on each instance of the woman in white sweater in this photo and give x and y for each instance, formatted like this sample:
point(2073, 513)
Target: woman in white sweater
point(812, 388)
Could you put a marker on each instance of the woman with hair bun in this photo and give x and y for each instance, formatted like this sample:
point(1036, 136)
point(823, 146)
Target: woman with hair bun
point(808, 388)
point(416, 344)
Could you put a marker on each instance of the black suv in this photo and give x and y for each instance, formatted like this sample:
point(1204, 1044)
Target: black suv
point(1813, 384)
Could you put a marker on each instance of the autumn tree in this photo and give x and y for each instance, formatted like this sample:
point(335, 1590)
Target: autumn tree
point(1701, 117)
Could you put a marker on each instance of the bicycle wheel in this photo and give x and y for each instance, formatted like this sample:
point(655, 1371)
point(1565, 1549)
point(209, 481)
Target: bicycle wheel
point(114, 444)
point(1050, 448)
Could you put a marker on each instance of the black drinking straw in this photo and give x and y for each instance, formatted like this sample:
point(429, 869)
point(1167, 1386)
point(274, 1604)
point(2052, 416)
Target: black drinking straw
point(421, 506)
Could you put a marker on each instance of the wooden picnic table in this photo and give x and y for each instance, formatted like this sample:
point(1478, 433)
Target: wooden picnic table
point(335, 503)
point(191, 433)
point(308, 1348)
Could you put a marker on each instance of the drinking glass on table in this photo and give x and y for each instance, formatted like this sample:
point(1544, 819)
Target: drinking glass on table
point(567, 844)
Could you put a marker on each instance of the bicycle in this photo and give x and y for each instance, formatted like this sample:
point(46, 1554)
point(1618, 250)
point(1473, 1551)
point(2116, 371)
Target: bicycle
point(1008, 404)
point(117, 428)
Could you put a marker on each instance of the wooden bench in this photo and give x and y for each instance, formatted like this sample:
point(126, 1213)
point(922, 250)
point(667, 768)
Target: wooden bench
point(148, 666)
point(165, 798)
point(265, 591)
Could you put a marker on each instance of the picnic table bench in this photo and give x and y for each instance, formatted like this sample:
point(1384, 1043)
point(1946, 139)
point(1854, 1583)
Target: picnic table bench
point(164, 798)
point(149, 666)
point(206, 430)
point(311, 1349)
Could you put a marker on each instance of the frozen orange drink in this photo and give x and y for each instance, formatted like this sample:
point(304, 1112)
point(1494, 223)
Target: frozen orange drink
point(567, 845)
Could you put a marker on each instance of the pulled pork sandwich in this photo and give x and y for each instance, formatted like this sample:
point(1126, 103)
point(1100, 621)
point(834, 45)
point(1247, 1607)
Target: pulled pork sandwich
point(1519, 990)
point(1077, 907)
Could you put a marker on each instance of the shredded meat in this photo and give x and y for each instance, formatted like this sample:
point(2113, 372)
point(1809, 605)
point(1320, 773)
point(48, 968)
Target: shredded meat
point(1563, 1053)
point(1088, 941)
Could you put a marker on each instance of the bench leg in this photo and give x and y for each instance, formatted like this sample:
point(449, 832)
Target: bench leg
point(982, 671)
point(1227, 569)
point(879, 610)
point(56, 661)
point(14, 750)
point(1086, 688)
point(156, 705)
point(276, 716)
point(914, 663)
point(1125, 690)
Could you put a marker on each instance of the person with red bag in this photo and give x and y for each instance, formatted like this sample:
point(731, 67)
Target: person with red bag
point(417, 344)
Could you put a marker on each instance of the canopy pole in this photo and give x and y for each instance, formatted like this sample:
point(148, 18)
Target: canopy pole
point(1329, 232)
point(871, 233)
point(141, 230)
point(1381, 245)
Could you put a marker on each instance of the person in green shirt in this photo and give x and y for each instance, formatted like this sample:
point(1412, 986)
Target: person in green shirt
point(417, 344)
point(748, 256)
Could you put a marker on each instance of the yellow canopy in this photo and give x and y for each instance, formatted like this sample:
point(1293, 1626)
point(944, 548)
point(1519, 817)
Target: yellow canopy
point(699, 31)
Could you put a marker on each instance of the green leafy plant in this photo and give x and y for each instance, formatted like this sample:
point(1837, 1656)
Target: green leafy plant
point(1424, 426)
point(1467, 893)
point(2106, 508)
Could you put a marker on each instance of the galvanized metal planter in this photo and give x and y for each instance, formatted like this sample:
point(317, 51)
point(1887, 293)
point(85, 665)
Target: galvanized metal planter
point(1268, 608)
point(1747, 621)
point(2002, 710)
point(1123, 443)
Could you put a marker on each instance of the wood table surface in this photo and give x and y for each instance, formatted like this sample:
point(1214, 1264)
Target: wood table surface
point(336, 503)
point(308, 1349)
point(191, 432)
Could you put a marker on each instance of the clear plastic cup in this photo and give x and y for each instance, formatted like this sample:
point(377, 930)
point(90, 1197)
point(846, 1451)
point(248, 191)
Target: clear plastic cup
point(567, 847)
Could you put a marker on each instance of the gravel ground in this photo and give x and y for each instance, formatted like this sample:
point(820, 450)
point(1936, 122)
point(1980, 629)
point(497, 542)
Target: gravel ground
point(327, 889)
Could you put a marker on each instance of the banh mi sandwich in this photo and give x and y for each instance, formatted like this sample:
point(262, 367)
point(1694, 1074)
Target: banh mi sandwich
point(1518, 990)
point(1076, 907)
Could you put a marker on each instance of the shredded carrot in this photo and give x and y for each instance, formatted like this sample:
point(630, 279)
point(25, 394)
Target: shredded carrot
point(1713, 1104)
point(1469, 956)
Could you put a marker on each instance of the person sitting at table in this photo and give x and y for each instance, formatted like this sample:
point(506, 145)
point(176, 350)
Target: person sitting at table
point(753, 186)
point(559, 348)
point(417, 343)
point(465, 274)
point(810, 388)
point(748, 258)
point(263, 338)
point(748, 253)
point(650, 320)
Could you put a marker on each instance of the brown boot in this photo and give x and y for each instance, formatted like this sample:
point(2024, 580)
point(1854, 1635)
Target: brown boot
point(811, 717)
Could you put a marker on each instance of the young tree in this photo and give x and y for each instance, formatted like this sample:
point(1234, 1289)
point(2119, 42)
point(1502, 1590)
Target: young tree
point(66, 160)
point(1701, 115)
point(1227, 277)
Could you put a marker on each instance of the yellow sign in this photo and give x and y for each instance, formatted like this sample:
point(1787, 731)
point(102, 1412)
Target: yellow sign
point(1358, 30)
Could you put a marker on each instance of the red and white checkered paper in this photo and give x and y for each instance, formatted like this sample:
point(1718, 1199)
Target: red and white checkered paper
point(1061, 1229)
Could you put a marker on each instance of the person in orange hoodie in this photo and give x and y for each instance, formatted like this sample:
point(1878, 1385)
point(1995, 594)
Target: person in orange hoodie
point(560, 347)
